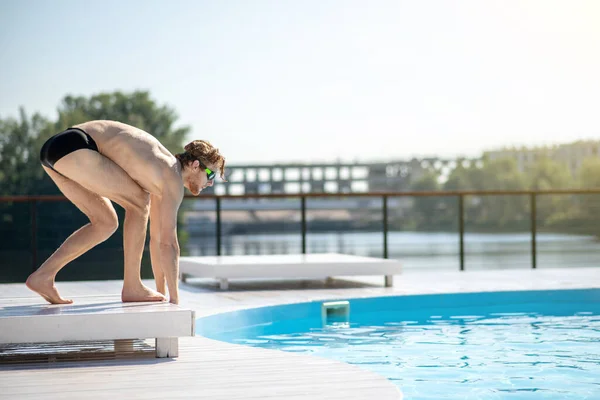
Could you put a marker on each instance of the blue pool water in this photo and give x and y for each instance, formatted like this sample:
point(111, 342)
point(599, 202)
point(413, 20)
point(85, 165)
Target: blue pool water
point(508, 345)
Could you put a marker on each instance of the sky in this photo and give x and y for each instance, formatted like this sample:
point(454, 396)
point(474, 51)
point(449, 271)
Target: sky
point(309, 81)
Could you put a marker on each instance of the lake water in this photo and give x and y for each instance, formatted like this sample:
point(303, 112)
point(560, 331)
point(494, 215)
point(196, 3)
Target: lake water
point(421, 250)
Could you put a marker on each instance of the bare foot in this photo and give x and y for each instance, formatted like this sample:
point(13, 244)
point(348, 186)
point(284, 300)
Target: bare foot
point(140, 293)
point(44, 286)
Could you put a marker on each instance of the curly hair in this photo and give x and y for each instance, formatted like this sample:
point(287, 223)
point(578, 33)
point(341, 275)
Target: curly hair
point(204, 152)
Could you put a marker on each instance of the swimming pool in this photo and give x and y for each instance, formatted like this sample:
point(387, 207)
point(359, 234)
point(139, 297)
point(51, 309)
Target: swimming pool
point(498, 345)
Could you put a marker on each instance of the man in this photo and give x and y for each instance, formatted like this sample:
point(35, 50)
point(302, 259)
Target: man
point(97, 162)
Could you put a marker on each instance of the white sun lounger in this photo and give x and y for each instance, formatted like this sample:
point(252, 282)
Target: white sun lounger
point(299, 266)
point(95, 318)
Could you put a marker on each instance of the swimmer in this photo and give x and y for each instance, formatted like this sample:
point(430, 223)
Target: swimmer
point(97, 162)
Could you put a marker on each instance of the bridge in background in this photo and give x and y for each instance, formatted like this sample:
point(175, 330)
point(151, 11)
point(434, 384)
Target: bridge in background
point(340, 177)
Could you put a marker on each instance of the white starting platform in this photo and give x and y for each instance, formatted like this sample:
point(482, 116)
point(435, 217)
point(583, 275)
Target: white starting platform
point(95, 318)
point(294, 266)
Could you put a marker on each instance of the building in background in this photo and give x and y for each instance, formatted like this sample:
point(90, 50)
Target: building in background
point(569, 154)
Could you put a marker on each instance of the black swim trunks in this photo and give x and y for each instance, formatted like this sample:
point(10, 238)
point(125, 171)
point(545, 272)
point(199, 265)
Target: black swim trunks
point(64, 143)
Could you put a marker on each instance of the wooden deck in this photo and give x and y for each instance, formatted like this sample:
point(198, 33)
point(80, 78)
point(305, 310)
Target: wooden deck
point(208, 369)
point(205, 369)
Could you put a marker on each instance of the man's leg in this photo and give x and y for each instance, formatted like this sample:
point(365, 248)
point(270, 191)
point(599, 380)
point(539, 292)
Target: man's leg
point(101, 175)
point(103, 223)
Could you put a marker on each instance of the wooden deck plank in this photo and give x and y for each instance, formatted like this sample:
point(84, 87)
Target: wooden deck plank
point(205, 369)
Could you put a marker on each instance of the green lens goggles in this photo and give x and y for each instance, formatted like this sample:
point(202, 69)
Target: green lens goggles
point(210, 174)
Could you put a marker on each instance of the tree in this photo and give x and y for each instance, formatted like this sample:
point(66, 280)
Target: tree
point(19, 156)
point(488, 212)
point(426, 211)
point(548, 174)
point(589, 174)
point(586, 216)
point(459, 179)
point(504, 211)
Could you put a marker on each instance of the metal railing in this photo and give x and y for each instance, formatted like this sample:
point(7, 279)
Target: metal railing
point(460, 195)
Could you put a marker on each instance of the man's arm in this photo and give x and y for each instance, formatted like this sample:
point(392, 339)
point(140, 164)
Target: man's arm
point(159, 275)
point(168, 248)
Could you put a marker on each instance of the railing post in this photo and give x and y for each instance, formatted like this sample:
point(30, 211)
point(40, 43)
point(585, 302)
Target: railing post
point(461, 230)
point(385, 226)
point(533, 231)
point(218, 223)
point(303, 222)
point(34, 255)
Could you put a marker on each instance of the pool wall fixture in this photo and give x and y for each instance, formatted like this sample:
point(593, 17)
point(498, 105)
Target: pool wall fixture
point(335, 312)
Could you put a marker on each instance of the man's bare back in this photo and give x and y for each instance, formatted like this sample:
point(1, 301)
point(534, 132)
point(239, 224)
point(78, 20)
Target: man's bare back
point(97, 162)
point(140, 154)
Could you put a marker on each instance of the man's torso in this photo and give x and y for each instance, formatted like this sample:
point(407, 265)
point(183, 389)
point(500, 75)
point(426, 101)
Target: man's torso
point(138, 153)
